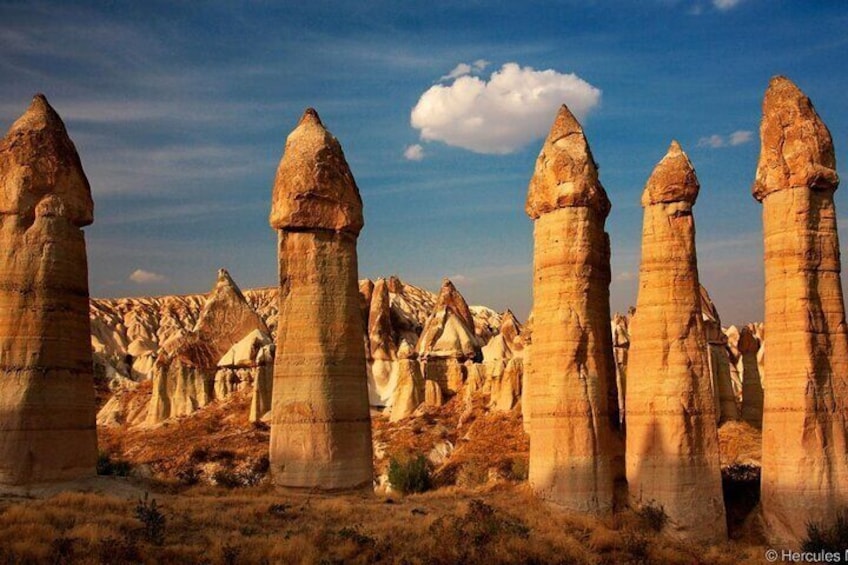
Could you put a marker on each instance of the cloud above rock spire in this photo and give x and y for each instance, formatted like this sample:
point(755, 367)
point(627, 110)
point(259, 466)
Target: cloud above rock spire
point(502, 114)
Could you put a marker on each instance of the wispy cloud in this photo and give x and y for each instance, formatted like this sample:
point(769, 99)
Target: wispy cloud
point(414, 152)
point(724, 5)
point(140, 276)
point(515, 106)
point(738, 137)
point(463, 69)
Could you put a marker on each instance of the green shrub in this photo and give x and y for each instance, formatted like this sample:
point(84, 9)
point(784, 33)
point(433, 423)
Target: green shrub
point(152, 520)
point(520, 469)
point(412, 475)
point(830, 538)
point(653, 516)
point(115, 467)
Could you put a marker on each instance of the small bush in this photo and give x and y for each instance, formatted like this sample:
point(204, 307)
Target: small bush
point(152, 520)
point(123, 551)
point(227, 478)
point(230, 554)
point(636, 545)
point(471, 537)
point(410, 476)
point(62, 550)
point(653, 516)
point(472, 473)
point(114, 467)
point(189, 475)
point(356, 536)
point(520, 469)
point(829, 538)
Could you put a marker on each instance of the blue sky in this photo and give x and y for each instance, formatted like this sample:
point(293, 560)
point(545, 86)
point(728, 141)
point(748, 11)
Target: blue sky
point(180, 112)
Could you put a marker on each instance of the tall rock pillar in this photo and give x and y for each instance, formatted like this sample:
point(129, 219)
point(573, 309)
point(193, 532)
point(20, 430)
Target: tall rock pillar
point(320, 425)
point(805, 456)
point(575, 449)
point(672, 440)
point(47, 413)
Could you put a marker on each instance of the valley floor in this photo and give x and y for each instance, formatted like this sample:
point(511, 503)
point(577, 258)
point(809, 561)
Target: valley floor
point(500, 523)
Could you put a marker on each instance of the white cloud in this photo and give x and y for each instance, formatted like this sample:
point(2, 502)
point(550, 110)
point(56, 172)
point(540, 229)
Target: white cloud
point(480, 64)
point(725, 5)
point(461, 69)
point(713, 141)
point(740, 136)
point(460, 279)
point(514, 107)
point(140, 276)
point(625, 276)
point(414, 152)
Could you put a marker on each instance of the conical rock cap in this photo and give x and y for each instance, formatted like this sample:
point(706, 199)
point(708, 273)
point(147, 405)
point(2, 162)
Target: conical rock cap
point(566, 174)
point(314, 188)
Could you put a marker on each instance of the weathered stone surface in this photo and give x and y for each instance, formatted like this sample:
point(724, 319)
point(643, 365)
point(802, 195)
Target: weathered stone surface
point(672, 440)
point(263, 382)
point(228, 333)
point(449, 331)
point(805, 419)
point(226, 317)
point(752, 386)
point(320, 423)
point(507, 343)
point(506, 390)
point(409, 393)
point(575, 450)
point(383, 369)
point(314, 188)
point(432, 394)
point(47, 411)
point(719, 360)
point(621, 350)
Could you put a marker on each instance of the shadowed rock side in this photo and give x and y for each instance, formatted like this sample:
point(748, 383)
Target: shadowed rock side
point(805, 456)
point(320, 424)
point(752, 386)
point(719, 360)
point(575, 450)
point(672, 441)
point(47, 412)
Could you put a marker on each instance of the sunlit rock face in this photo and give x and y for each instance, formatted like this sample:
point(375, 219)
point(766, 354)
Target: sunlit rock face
point(47, 413)
point(212, 359)
point(805, 455)
point(320, 424)
point(575, 450)
point(672, 440)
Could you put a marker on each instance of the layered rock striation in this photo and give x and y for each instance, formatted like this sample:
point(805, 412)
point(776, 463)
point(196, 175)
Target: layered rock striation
point(672, 440)
point(575, 449)
point(805, 417)
point(320, 423)
point(47, 410)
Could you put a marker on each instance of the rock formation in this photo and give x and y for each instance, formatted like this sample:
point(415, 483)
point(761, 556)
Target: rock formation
point(672, 441)
point(506, 387)
point(448, 339)
point(382, 349)
point(621, 350)
point(47, 412)
point(719, 360)
point(211, 360)
point(575, 450)
point(409, 393)
point(805, 419)
point(320, 423)
point(752, 386)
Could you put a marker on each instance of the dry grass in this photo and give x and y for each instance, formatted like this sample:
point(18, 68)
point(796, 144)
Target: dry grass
point(739, 444)
point(495, 524)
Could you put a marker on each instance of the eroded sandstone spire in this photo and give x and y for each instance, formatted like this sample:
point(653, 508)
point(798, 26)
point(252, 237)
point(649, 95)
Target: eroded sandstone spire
point(805, 450)
point(672, 441)
point(320, 424)
point(47, 412)
point(383, 370)
point(575, 450)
